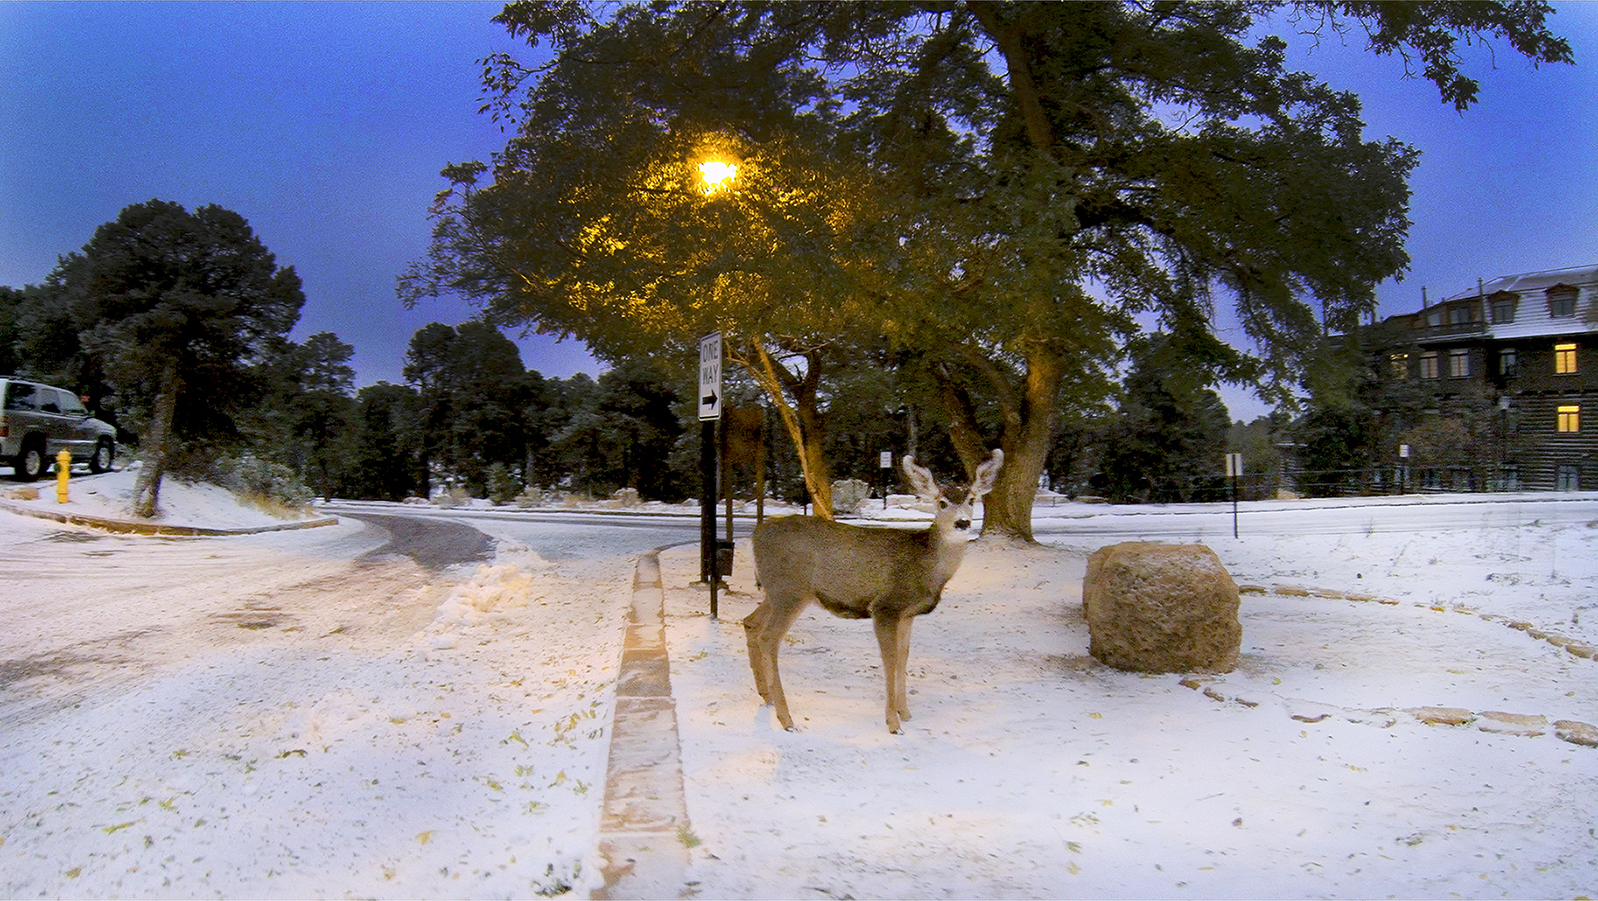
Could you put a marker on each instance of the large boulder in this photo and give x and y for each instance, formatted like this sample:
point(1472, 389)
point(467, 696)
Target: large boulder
point(1161, 608)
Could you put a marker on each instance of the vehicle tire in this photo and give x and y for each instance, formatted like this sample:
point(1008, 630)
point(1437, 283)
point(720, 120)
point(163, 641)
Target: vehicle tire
point(31, 462)
point(104, 453)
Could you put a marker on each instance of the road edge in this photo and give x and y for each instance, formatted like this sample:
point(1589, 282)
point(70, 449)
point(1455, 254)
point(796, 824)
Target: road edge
point(128, 527)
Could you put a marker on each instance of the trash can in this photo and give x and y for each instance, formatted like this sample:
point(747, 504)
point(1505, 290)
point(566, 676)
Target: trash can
point(724, 558)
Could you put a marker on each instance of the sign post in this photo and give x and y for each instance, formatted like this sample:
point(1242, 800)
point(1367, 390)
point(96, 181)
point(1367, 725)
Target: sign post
point(1234, 471)
point(885, 463)
point(709, 414)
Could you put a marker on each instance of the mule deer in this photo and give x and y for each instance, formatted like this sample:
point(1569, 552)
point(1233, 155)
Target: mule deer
point(888, 575)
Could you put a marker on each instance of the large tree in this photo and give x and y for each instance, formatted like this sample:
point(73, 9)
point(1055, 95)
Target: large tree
point(177, 307)
point(473, 390)
point(1005, 187)
point(1169, 432)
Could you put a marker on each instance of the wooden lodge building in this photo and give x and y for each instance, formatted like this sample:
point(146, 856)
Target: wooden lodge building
point(1492, 388)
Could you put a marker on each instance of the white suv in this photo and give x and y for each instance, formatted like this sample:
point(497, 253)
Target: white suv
point(38, 421)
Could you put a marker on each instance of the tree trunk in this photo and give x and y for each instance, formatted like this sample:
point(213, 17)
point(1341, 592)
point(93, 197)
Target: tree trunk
point(801, 417)
point(1030, 417)
point(147, 488)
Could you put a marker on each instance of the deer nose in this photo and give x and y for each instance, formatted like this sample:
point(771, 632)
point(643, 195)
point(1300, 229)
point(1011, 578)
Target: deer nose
point(962, 524)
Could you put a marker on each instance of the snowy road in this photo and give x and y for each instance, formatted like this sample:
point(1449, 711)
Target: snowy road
point(362, 708)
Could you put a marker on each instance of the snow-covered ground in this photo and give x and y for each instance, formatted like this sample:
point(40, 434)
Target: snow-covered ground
point(447, 737)
point(109, 495)
point(1031, 770)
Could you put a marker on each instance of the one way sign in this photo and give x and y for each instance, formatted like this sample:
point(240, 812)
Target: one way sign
point(710, 377)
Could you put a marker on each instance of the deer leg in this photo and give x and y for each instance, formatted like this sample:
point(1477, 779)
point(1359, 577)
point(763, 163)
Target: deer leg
point(903, 682)
point(765, 638)
point(753, 623)
point(888, 629)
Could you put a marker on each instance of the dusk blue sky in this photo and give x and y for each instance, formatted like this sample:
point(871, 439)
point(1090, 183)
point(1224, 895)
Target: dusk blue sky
point(326, 124)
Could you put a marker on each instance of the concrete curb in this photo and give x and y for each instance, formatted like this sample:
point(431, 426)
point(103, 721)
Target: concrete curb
point(129, 527)
point(643, 832)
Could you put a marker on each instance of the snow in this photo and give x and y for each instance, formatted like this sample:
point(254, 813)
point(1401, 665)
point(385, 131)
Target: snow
point(445, 735)
point(110, 496)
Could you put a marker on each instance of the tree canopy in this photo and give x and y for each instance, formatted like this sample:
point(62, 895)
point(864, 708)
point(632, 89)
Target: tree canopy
point(1006, 189)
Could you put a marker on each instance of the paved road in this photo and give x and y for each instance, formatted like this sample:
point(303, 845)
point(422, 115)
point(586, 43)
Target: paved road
point(434, 544)
point(554, 536)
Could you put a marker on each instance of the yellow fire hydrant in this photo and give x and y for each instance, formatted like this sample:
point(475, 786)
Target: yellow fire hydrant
point(63, 471)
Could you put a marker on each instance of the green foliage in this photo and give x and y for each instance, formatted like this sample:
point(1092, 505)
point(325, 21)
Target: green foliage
point(473, 394)
point(1167, 441)
point(619, 432)
point(257, 478)
point(502, 485)
point(304, 419)
point(1335, 448)
point(384, 461)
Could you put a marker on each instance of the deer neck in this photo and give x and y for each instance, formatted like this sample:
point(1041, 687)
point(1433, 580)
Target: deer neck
point(948, 547)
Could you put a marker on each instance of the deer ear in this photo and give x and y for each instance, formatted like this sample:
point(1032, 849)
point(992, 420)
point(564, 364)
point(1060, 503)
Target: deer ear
point(926, 487)
point(987, 475)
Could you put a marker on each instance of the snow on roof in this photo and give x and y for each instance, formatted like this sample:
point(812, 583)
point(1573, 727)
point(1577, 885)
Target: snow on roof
point(1531, 281)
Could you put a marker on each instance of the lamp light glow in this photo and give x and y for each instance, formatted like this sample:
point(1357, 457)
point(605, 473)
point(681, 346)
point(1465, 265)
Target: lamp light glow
point(717, 174)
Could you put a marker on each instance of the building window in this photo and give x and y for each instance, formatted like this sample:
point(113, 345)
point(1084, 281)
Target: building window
point(1400, 365)
point(1562, 302)
point(1569, 418)
point(1428, 365)
point(1434, 317)
point(1567, 477)
point(1459, 363)
point(1504, 308)
point(1459, 315)
point(1508, 363)
point(1564, 359)
point(1510, 477)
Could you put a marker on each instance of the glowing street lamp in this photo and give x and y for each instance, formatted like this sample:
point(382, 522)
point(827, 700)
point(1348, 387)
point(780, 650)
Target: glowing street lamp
point(717, 175)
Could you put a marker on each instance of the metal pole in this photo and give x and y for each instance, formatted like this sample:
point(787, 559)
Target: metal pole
point(707, 510)
point(1234, 506)
point(707, 507)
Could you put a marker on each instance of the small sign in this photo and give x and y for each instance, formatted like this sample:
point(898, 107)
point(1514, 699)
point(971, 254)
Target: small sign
point(710, 377)
point(886, 461)
point(1234, 466)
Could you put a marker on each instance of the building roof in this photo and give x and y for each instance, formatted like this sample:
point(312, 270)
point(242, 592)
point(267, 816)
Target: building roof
point(1532, 314)
point(1576, 276)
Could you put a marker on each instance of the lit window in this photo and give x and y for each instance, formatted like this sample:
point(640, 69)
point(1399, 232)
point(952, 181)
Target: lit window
point(1564, 359)
point(1570, 419)
point(1429, 365)
point(1458, 363)
point(1400, 365)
